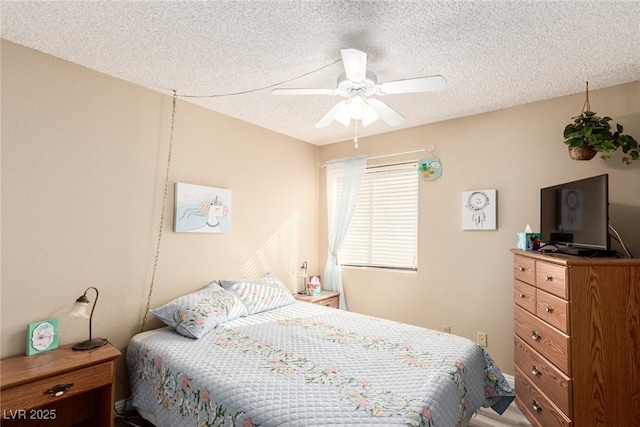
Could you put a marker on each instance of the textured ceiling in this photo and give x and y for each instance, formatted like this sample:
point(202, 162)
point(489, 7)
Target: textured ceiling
point(494, 54)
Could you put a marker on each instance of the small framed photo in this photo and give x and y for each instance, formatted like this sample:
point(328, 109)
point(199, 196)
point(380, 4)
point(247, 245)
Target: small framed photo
point(315, 279)
point(42, 336)
point(314, 285)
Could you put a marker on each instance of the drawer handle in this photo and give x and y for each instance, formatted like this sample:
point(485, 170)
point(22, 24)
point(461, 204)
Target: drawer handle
point(548, 309)
point(535, 335)
point(548, 278)
point(521, 295)
point(536, 406)
point(535, 371)
point(521, 268)
point(59, 390)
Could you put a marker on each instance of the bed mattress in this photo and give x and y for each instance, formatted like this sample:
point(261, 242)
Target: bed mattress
point(308, 365)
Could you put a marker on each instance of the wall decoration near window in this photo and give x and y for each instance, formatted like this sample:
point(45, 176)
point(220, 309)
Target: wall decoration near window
point(200, 209)
point(430, 168)
point(479, 210)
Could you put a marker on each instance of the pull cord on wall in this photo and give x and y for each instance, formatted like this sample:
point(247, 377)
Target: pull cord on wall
point(162, 212)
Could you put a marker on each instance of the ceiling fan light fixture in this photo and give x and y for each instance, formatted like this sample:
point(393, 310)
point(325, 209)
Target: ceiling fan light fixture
point(370, 117)
point(357, 107)
point(343, 116)
point(357, 84)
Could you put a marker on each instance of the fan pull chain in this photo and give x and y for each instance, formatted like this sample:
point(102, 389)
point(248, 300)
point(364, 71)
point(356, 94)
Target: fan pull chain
point(355, 140)
point(162, 211)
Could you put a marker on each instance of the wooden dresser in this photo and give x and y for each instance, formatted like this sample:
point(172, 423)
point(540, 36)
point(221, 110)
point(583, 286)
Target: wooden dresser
point(326, 298)
point(61, 387)
point(577, 340)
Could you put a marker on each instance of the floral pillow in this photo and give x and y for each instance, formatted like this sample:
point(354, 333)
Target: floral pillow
point(195, 314)
point(261, 294)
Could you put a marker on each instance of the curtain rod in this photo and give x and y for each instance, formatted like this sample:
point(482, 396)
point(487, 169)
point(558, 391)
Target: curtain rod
point(392, 155)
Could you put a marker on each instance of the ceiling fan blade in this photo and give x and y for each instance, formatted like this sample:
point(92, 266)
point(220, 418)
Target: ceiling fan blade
point(386, 113)
point(421, 84)
point(338, 112)
point(285, 91)
point(355, 64)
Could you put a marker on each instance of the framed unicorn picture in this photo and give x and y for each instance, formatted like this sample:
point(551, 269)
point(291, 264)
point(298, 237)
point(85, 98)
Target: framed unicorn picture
point(479, 210)
point(200, 209)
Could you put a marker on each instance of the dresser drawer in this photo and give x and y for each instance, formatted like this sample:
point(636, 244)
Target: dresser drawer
point(524, 269)
point(35, 394)
point(546, 340)
point(536, 404)
point(553, 310)
point(552, 278)
point(524, 295)
point(549, 379)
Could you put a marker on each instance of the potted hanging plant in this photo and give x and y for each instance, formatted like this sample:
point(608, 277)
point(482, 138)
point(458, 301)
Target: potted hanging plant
point(590, 134)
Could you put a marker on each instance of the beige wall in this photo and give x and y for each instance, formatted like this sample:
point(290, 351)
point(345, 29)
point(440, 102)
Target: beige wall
point(83, 166)
point(464, 278)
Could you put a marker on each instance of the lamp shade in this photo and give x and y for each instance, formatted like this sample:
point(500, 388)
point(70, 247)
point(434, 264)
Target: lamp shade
point(343, 116)
point(79, 309)
point(357, 107)
point(370, 117)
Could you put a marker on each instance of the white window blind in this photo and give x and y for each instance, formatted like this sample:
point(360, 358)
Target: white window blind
point(384, 229)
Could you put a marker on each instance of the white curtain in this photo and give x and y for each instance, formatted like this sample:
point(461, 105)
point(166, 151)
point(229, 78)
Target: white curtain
point(344, 179)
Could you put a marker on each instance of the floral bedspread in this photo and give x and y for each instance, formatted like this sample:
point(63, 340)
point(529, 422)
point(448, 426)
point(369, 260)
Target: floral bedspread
point(304, 365)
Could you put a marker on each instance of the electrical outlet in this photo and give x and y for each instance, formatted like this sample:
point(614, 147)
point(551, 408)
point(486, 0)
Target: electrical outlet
point(446, 328)
point(482, 339)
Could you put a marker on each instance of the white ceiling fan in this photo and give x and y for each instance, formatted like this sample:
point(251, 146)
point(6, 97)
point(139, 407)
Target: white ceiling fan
point(357, 85)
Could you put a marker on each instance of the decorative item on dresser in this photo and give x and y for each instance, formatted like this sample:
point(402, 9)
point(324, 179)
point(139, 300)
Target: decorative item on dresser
point(326, 298)
point(577, 346)
point(61, 387)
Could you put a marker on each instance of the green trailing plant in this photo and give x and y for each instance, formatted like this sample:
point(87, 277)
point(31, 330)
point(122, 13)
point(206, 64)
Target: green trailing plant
point(590, 130)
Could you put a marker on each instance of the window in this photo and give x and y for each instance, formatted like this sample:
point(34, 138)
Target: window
point(384, 229)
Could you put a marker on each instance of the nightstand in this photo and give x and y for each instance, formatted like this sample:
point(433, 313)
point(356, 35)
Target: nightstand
point(61, 387)
point(326, 298)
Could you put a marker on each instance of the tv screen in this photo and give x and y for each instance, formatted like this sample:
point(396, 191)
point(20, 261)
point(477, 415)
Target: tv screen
point(576, 214)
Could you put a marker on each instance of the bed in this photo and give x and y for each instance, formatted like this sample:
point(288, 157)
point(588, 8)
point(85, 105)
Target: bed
point(301, 364)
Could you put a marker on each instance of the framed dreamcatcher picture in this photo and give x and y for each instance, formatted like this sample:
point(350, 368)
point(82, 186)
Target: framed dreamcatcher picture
point(479, 209)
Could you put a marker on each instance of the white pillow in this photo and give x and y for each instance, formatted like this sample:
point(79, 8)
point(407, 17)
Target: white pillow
point(195, 314)
point(261, 294)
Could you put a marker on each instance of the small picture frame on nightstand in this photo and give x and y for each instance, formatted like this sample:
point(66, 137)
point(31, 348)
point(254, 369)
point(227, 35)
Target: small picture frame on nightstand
point(314, 285)
point(42, 336)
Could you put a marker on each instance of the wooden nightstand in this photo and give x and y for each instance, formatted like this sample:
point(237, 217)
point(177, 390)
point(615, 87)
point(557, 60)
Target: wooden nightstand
point(326, 298)
point(62, 387)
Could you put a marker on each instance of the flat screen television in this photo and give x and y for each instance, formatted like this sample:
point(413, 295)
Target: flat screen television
point(574, 216)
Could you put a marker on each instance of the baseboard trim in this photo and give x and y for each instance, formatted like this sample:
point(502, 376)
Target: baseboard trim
point(123, 406)
point(511, 380)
